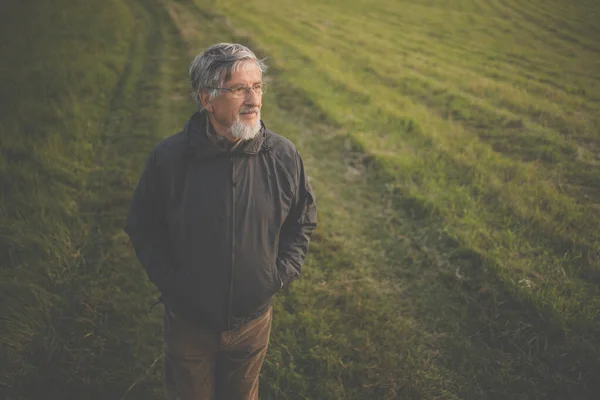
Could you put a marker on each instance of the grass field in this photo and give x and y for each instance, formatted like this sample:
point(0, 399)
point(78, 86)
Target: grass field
point(454, 150)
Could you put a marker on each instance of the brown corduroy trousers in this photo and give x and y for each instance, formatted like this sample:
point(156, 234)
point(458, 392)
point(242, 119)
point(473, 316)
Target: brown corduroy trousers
point(204, 364)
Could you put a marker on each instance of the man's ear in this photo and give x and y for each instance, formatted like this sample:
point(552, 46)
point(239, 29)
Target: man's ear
point(205, 100)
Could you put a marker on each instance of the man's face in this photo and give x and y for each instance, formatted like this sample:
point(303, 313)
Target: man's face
point(225, 109)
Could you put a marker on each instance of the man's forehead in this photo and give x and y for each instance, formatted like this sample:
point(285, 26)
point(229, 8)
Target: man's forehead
point(244, 72)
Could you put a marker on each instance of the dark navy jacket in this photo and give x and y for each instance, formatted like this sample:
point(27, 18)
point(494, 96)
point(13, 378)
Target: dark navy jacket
point(219, 231)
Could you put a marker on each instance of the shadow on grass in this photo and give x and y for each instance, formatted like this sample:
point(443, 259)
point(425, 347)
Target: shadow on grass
point(95, 336)
point(492, 334)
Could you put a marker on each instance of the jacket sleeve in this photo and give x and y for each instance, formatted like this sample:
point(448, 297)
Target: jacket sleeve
point(297, 229)
point(146, 226)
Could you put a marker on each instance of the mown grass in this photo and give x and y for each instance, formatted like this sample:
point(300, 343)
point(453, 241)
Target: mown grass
point(488, 173)
point(452, 145)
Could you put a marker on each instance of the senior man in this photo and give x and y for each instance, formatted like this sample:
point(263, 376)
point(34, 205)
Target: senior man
point(221, 220)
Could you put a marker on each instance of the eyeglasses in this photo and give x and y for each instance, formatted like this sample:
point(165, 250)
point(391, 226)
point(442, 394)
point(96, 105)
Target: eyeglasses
point(242, 91)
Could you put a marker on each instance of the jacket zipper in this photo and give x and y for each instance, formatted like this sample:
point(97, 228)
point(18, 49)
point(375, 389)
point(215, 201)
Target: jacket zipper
point(233, 184)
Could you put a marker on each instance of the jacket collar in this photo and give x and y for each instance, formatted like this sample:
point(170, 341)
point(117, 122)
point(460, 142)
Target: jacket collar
point(202, 147)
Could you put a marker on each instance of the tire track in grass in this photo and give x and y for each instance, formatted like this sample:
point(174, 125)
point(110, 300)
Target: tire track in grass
point(542, 230)
point(538, 110)
point(80, 324)
point(478, 113)
point(56, 112)
point(497, 120)
point(537, 229)
point(153, 106)
point(471, 262)
point(105, 336)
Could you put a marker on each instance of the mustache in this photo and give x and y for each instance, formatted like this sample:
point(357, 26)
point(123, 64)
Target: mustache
point(249, 110)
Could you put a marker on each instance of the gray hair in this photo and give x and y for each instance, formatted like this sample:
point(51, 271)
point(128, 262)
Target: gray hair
point(214, 66)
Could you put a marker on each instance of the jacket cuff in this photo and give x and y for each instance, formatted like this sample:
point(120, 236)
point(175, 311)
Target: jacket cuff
point(285, 279)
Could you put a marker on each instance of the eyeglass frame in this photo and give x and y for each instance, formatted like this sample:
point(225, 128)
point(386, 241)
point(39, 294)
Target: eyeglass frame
point(247, 89)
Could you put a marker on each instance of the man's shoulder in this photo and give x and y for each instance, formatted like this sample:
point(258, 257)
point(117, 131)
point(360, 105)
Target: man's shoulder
point(280, 145)
point(171, 148)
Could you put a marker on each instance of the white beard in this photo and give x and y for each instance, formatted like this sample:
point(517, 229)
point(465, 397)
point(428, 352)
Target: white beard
point(240, 130)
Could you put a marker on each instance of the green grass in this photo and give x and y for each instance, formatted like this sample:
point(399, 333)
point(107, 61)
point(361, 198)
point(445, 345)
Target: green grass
point(56, 82)
point(453, 146)
point(74, 300)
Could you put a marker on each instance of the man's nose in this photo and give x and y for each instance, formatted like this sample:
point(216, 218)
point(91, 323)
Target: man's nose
point(253, 99)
